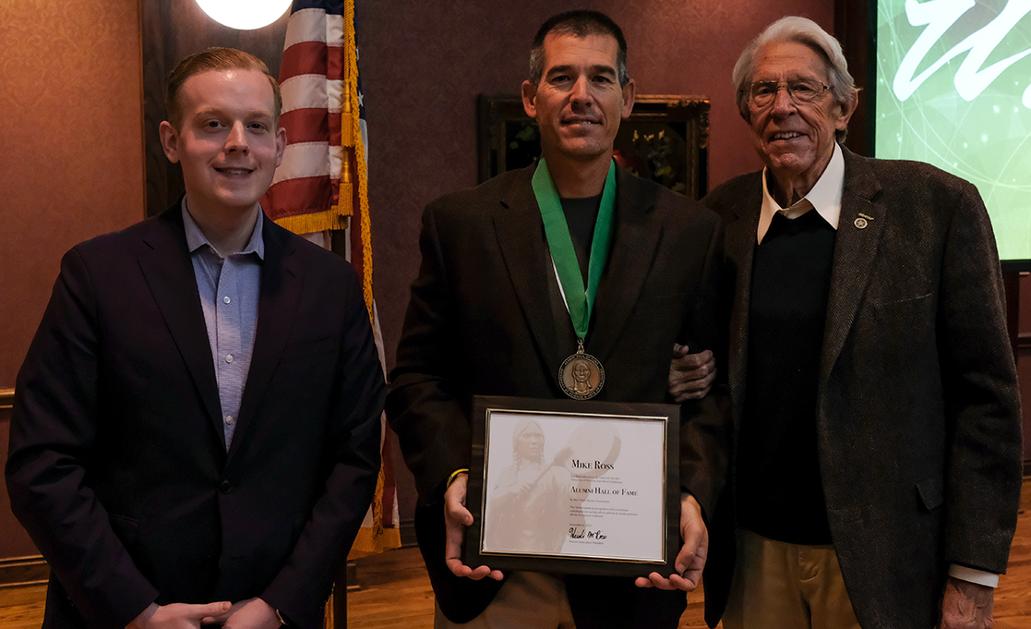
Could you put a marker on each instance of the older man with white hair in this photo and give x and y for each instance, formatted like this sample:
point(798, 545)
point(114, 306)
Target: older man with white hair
point(875, 476)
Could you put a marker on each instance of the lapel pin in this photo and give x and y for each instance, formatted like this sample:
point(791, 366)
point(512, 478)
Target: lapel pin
point(861, 223)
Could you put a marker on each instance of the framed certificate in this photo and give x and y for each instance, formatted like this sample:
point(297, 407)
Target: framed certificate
point(574, 486)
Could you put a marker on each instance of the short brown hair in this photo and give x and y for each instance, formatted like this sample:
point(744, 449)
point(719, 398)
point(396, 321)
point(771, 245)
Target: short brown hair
point(214, 59)
point(579, 23)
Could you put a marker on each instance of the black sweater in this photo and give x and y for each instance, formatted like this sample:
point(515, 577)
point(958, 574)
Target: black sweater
point(779, 484)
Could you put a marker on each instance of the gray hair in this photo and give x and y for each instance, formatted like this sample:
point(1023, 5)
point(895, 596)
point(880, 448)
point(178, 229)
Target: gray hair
point(803, 31)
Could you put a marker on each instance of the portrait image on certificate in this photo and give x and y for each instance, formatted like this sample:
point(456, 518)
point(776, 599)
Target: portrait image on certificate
point(574, 482)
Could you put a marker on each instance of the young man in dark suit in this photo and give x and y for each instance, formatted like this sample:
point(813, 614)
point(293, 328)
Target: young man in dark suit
point(487, 316)
point(196, 425)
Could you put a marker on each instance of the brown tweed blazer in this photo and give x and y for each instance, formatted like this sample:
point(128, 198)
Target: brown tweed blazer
point(918, 410)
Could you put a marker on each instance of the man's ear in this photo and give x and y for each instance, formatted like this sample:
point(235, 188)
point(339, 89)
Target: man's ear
point(846, 109)
point(529, 94)
point(629, 92)
point(280, 145)
point(169, 141)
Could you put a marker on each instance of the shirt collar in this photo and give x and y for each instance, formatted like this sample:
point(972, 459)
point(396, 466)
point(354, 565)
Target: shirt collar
point(825, 196)
point(195, 238)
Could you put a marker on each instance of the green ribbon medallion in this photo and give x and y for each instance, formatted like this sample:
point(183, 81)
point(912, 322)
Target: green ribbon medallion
point(579, 294)
point(581, 375)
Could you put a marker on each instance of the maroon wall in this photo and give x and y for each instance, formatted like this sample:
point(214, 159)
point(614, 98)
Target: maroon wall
point(70, 144)
point(72, 156)
point(424, 63)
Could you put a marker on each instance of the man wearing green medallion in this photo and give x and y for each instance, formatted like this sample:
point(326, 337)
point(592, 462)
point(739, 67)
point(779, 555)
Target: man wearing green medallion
point(570, 278)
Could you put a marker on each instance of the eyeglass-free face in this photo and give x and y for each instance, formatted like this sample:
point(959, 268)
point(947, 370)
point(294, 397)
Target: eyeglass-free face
point(578, 102)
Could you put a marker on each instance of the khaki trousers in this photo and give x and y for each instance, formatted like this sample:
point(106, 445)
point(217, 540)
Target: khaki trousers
point(528, 599)
point(778, 585)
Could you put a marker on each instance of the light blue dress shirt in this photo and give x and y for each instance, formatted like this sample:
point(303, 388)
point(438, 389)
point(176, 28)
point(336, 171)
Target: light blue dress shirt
point(229, 288)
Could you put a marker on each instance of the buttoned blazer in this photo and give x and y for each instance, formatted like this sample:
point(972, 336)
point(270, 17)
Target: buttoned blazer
point(918, 416)
point(118, 468)
point(482, 319)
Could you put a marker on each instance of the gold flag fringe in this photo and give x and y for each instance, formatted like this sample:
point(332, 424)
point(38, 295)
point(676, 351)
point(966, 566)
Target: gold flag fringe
point(375, 539)
point(351, 109)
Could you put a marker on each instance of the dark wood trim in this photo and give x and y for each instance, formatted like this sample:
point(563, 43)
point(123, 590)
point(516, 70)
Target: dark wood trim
point(352, 583)
point(408, 537)
point(855, 24)
point(22, 571)
point(6, 398)
point(1011, 284)
point(143, 108)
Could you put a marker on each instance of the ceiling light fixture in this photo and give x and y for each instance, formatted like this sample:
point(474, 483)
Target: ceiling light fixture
point(244, 15)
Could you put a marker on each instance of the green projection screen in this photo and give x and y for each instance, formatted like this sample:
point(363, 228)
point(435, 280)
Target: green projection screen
point(954, 89)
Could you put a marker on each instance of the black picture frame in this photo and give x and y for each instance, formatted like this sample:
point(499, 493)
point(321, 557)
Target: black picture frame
point(471, 552)
point(665, 139)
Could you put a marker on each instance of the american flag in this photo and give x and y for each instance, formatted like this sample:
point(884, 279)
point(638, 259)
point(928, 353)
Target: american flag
point(306, 194)
point(321, 186)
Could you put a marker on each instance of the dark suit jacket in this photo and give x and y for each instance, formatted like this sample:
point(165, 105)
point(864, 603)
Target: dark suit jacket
point(117, 463)
point(483, 320)
point(918, 417)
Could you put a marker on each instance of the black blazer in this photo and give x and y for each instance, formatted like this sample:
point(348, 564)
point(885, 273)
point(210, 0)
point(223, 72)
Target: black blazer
point(918, 424)
point(118, 468)
point(482, 320)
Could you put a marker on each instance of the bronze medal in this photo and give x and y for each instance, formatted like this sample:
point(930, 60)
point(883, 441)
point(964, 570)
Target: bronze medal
point(581, 375)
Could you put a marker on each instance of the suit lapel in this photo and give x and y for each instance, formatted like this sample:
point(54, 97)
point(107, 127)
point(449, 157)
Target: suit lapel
point(168, 271)
point(524, 251)
point(635, 242)
point(526, 256)
point(280, 291)
point(855, 248)
point(739, 238)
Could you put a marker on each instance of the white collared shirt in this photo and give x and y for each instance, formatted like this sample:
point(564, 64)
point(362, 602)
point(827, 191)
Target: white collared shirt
point(825, 197)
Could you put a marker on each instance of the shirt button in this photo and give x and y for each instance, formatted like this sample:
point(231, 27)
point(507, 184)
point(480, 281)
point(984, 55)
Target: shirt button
point(227, 300)
point(229, 358)
point(225, 487)
point(229, 420)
